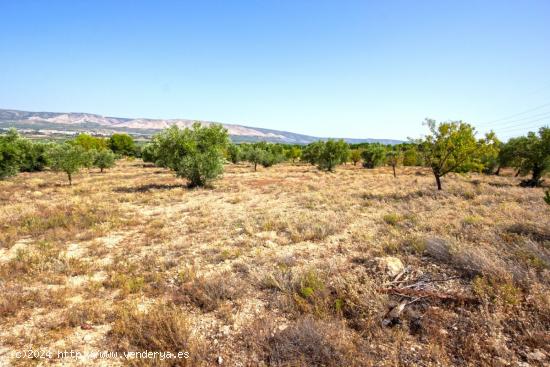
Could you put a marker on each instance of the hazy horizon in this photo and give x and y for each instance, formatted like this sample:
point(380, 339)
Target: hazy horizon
point(341, 69)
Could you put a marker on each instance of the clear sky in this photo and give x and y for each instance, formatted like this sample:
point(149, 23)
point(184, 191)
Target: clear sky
point(352, 69)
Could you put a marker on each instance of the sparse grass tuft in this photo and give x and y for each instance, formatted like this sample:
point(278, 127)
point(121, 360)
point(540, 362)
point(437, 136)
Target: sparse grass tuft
point(392, 218)
point(307, 342)
point(161, 328)
point(209, 293)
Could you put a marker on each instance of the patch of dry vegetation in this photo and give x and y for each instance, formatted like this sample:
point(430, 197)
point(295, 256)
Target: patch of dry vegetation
point(281, 266)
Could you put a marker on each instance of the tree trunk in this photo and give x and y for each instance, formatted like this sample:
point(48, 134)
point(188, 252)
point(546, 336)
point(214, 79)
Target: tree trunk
point(70, 179)
point(497, 172)
point(394, 175)
point(101, 170)
point(438, 181)
point(537, 175)
point(255, 166)
point(517, 173)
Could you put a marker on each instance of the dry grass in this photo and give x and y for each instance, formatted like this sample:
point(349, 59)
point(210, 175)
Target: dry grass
point(277, 266)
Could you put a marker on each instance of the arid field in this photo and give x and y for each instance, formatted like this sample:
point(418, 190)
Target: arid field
point(286, 266)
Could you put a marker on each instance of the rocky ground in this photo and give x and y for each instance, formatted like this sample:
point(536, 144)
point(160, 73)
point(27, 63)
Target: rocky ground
point(287, 266)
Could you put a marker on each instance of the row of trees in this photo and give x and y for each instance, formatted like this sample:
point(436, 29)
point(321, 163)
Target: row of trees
point(18, 154)
point(448, 147)
point(198, 153)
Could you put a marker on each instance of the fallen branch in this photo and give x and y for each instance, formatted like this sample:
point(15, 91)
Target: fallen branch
point(420, 293)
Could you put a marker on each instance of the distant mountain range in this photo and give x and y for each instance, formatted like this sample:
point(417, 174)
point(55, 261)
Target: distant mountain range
point(56, 123)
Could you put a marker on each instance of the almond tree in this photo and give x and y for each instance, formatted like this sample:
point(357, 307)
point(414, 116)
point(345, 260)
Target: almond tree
point(394, 158)
point(532, 155)
point(452, 147)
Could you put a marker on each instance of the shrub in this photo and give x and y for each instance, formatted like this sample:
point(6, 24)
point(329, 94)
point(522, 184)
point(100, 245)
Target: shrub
point(104, 159)
point(392, 218)
point(308, 343)
point(209, 293)
point(162, 328)
point(67, 158)
point(373, 156)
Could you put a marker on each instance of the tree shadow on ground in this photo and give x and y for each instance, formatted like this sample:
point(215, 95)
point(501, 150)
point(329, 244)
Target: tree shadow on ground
point(149, 187)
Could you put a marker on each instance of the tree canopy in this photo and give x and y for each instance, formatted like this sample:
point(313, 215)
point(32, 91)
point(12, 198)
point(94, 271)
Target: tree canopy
point(452, 147)
point(196, 153)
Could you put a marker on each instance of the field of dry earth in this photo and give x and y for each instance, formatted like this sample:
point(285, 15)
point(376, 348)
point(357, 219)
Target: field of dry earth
point(287, 266)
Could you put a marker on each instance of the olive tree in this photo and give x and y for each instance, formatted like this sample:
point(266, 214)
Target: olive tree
point(10, 154)
point(312, 152)
point(332, 153)
point(67, 158)
point(235, 154)
point(103, 159)
point(373, 156)
point(452, 147)
point(196, 153)
point(255, 155)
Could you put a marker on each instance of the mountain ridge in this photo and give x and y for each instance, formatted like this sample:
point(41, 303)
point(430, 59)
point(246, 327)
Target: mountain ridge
point(75, 122)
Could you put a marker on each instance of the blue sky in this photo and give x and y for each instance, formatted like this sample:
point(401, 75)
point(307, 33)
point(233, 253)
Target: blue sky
point(326, 68)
